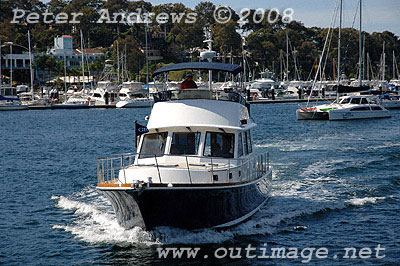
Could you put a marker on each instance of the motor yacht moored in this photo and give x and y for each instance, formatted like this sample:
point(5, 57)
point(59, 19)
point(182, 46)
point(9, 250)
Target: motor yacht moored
point(133, 95)
point(195, 167)
point(348, 108)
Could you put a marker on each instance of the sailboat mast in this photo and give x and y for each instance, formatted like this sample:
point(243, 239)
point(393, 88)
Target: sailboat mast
point(244, 60)
point(65, 79)
point(339, 46)
point(384, 63)
point(280, 64)
point(394, 66)
point(147, 60)
point(117, 62)
point(361, 60)
point(209, 42)
point(11, 64)
point(1, 80)
point(30, 61)
point(368, 63)
point(83, 63)
point(287, 57)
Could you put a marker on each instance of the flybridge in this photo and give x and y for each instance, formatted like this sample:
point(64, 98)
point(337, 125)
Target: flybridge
point(194, 94)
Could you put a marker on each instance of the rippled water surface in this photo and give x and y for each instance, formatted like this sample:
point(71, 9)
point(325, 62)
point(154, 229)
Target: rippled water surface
point(336, 185)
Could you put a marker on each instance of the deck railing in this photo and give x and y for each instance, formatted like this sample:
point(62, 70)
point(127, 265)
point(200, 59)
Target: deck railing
point(190, 94)
point(250, 168)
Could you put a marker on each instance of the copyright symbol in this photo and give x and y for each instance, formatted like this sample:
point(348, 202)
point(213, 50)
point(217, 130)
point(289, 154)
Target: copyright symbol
point(222, 14)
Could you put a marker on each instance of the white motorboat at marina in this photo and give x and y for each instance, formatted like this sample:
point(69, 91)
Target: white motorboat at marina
point(11, 104)
point(390, 101)
point(347, 108)
point(133, 95)
point(9, 100)
point(195, 166)
point(106, 93)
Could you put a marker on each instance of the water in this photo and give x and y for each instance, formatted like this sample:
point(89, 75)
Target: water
point(336, 185)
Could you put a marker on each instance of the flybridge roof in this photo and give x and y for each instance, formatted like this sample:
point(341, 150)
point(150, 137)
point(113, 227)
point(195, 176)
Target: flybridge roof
point(234, 69)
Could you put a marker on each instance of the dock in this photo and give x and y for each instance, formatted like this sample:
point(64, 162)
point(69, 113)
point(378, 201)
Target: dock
point(291, 100)
point(112, 106)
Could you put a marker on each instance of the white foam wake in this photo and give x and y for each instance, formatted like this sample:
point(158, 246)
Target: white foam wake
point(94, 221)
point(363, 201)
point(90, 218)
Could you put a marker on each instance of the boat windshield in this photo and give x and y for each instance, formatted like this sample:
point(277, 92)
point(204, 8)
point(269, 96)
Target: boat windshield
point(219, 145)
point(356, 100)
point(153, 145)
point(184, 143)
point(345, 100)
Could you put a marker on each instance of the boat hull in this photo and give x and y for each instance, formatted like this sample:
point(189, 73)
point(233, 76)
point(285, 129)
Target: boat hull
point(312, 115)
point(70, 106)
point(134, 104)
point(13, 107)
point(351, 115)
point(189, 207)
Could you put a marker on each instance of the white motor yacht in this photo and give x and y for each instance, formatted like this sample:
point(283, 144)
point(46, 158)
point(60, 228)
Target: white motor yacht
point(347, 108)
point(106, 93)
point(134, 95)
point(195, 167)
point(390, 101)
point(9, 100)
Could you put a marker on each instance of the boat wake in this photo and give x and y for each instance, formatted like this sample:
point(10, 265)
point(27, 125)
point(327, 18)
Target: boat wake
point(90, 218)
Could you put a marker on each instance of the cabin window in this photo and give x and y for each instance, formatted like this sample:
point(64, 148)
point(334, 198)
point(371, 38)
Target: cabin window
point(360, 109)
point(153, 145)
point(219, 145)
point(377, 108)
point(345, 100)
point(185, 143)
point(248, 143)
point(355, 101)
point(364, 101)
point(245, 144)
point(240, 144)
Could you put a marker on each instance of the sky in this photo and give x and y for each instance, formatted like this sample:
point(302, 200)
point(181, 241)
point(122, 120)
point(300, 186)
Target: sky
point(379, 15)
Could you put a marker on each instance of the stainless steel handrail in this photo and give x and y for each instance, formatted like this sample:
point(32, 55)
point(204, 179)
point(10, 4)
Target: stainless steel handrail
point(253, 166)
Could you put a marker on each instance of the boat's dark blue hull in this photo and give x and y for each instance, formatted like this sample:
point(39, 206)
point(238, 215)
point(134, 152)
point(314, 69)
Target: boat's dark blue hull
point(188, 207)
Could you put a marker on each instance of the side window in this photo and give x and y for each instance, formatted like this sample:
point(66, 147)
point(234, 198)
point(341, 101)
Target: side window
point(250, 142)
point(185, 143)
point(364, 101)
point(219, 145)
point(245, 144)
point(153, 145)
point(240, 144)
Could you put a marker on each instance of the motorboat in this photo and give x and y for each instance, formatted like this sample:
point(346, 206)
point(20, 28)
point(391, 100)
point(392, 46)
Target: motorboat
point(33, 100)
point(390, 101)
point(9, 100)
point(347, 108)
point(106, 93)
point(262, 86)
point(11, 104)
point(134, 95)
point(195, 165)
